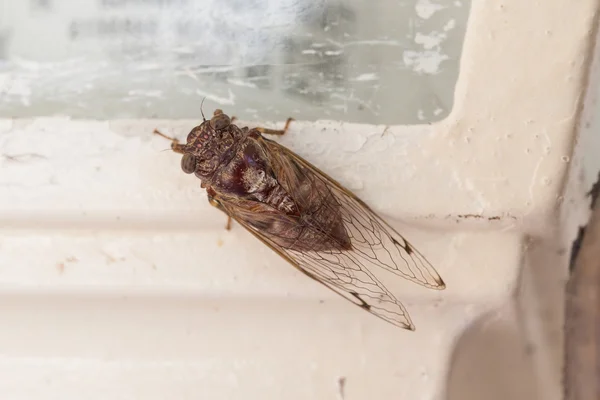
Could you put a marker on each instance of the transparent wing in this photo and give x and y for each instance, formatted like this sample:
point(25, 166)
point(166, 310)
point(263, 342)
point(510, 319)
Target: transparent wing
point(374, 241)
point(348, 272)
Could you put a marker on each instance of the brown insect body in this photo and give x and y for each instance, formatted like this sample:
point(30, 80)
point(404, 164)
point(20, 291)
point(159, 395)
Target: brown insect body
point(302, 214)
point(235, 165)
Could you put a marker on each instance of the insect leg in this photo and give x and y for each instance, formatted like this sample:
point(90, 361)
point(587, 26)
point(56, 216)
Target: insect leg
point(278, 132)
point(216, 204)
point(175, 145)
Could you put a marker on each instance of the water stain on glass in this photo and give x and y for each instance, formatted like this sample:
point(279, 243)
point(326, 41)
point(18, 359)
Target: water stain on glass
point(385, 62)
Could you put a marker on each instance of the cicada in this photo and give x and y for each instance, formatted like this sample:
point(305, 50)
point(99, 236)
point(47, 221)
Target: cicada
point(302, 214)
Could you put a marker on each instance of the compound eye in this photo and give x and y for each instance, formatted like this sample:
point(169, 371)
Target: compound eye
point(220, 120)
point(188, 163)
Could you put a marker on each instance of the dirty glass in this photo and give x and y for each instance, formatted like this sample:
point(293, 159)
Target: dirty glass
point(384, 61)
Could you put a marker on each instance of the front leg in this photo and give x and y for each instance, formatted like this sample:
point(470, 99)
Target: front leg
point(211, 193)
point(268, 131)
point(175, 145)
point(277, 132)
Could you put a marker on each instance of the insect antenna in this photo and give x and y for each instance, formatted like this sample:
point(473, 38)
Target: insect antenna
point(202, 112)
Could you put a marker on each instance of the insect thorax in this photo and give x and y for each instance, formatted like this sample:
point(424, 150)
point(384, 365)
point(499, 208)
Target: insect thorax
point(208, 148)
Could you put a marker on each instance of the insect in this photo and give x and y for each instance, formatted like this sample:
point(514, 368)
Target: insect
point(302, 214)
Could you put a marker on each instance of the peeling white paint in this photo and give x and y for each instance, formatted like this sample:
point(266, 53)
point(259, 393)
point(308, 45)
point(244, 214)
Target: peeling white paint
point(366, 77)
point(426, 62)
point(430, 41)
point(230, 100)
point(426, 8)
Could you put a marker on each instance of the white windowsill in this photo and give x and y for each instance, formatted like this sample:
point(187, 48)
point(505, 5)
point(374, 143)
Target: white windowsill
point(119, 281)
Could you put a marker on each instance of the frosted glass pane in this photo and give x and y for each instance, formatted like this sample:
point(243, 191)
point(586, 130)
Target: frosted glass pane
point(383, 61)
